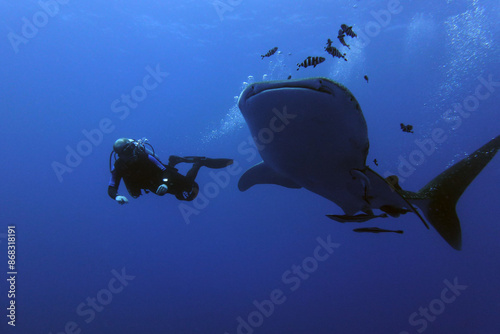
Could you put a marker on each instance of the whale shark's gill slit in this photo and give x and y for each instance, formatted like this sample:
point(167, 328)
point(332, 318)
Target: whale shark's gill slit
point(355, 102)
point(323, 89)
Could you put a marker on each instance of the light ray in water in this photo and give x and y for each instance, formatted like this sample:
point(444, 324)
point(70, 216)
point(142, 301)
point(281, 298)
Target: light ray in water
point(233, 120)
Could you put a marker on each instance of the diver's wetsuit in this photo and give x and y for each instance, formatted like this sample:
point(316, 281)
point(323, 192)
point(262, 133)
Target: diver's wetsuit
point(147, 173)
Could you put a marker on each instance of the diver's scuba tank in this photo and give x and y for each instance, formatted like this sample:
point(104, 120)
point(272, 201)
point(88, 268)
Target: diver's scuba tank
point(141, 146)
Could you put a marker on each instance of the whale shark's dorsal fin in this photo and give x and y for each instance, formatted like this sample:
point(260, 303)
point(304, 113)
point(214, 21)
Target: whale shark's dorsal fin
point(263, 174)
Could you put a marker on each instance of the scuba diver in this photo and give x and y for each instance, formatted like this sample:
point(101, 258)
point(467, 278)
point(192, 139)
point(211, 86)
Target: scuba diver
point(141, 169)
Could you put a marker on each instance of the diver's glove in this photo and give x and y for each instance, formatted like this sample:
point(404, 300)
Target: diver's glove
point(121, 199)
point(162, 190)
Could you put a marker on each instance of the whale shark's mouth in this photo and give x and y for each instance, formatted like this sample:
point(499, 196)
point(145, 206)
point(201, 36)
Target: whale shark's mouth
point(321, 85)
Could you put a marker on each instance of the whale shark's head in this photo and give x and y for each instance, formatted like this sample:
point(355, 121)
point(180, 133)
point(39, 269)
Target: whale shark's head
point(313, 98)
point(304, 113)
point(299, 88)
point(313, 84)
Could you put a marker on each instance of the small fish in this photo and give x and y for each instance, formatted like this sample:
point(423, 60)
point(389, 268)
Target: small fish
point(270, 52)
point(310, 61)
point(375, 162)
point(366, 78)
point(361, 218)
point(376, 230)
point(289, 77)
point(334, 51)
point(407, 128)
point(348, 30)
point(340, 37)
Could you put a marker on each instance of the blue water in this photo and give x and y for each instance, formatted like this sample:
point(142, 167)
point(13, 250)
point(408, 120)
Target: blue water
point(231, 264)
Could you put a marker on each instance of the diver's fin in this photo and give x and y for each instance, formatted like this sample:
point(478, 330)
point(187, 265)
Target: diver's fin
point(173, 160)
point(214, 163)
point(202, 161)
point(263, 174)
point(361, 218)
point(443, 192)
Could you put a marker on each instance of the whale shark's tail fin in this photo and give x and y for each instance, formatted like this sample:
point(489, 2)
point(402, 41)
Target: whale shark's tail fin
point(442, 193)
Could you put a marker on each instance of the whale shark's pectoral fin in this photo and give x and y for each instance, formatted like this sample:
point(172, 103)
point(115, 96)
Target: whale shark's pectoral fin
point(263, 174)
point(355, 219)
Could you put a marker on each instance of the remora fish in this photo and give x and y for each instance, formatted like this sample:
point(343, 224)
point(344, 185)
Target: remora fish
point(361, 218)
point(322, 145)
point(376, 230)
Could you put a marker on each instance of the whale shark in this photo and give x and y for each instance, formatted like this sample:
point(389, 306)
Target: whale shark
point(311, 134)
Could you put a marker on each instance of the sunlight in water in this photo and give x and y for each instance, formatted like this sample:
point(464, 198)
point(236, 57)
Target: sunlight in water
point(420, 35)
point(233, 120)
point(468, 44)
